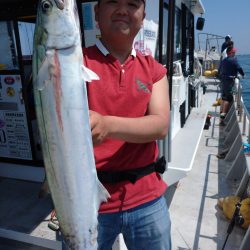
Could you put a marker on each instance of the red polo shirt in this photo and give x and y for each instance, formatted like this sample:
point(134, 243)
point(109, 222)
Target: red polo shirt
point(125, 91)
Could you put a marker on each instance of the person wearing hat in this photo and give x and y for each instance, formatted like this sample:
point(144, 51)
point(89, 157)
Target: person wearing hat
point(129, 111)
point(230, 44)
point(228, 38)
point(229, 69)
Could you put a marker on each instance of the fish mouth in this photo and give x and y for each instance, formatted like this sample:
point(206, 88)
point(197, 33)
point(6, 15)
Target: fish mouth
point(60, 45)
point(62, 41)
point(60, 48)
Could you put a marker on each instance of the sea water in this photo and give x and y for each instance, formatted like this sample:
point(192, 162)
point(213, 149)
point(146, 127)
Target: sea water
point(244, 61)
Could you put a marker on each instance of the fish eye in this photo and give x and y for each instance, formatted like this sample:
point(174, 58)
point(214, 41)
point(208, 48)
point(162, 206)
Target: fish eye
point(46, 5)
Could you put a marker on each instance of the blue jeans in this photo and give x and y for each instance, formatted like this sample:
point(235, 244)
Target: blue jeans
point(146, 227)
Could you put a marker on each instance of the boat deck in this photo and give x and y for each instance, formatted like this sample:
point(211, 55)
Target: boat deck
point(189, 135)
point(197, 222)
point(24, 217)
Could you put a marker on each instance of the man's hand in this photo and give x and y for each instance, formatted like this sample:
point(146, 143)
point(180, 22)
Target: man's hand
point(143, 129)
point(98, 127)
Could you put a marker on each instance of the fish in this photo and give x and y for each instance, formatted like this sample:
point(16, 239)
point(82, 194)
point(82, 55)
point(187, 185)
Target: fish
point(59, 86)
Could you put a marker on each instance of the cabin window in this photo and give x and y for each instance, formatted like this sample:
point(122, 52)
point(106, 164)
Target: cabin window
point(91, 31)
point(165, 34)
point(187, 40)
point(26, 33)
point(177, 35)
point(8, 49)
point(190, 49)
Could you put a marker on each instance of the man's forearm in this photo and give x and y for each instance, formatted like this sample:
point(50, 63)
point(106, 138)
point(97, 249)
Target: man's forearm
point(137, 130)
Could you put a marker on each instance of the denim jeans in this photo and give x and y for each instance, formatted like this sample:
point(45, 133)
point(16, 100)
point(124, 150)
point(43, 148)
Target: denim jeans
point(146, 227)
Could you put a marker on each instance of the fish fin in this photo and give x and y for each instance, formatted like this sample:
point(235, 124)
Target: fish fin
point(103, 192)
point(89, 75)
point(43, 75)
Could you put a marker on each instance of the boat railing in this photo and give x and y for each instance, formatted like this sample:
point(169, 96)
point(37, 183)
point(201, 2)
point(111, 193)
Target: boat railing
point(244, 115)
point(212, 42)
point(208, 52)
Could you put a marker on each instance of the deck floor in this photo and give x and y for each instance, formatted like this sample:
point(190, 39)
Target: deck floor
point(25, 216)
point(197, 222)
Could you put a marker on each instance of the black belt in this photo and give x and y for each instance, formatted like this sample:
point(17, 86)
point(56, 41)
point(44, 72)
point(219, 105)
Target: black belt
point(132, 175)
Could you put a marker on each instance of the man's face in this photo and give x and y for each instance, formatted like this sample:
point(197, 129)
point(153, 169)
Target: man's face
point(120, 17)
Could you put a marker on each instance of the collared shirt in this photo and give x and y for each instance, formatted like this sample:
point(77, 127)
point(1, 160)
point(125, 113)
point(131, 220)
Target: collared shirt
point(105, 52)
point(124, 90)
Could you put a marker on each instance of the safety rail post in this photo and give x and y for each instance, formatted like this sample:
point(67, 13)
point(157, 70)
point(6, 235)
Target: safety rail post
point(239, 105)
point(248, 139)
point(244, 124)
point(246, 119)
point(238, 96)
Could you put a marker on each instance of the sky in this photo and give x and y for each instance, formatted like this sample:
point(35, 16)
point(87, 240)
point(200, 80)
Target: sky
point(229, 17)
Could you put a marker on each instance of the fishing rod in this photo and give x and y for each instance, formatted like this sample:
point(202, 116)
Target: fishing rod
point(237, 217)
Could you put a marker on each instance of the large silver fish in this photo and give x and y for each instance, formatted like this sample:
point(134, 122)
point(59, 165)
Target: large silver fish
point(63, 120)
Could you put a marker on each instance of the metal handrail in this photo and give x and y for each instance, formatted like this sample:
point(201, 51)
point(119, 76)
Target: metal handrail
point(242, 109)
point(208, 38)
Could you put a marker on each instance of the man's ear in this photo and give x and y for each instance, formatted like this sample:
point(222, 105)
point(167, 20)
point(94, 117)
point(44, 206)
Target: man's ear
point(144, 14)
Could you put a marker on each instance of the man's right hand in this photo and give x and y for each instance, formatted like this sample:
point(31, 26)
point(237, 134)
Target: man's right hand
point(98, 127)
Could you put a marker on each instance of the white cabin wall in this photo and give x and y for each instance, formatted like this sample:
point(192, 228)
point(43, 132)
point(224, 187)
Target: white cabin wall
point(178, 3)
point(180, 83)
point(178, 97)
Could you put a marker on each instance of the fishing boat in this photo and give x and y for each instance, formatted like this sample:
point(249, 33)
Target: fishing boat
point(206, 162)
point(208, 52)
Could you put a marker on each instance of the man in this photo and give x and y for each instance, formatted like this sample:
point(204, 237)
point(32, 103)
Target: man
point(229, 68)
point(129, 111)
point(226, 43)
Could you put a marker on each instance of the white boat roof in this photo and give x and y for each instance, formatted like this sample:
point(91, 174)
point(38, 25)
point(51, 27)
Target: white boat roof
point(197, 7)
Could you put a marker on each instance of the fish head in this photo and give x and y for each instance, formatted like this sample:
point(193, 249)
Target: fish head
point(58, 24)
